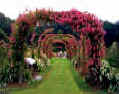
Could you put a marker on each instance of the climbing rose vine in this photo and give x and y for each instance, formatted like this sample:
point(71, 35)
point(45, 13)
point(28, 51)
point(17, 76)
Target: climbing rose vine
point(85, 25)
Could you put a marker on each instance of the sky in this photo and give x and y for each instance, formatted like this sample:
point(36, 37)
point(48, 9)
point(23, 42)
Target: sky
point(103, 9)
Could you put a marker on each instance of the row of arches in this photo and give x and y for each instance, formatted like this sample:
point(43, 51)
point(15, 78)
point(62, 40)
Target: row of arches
point(81, 33)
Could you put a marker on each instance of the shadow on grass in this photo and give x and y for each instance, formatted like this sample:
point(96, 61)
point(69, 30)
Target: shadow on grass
point(80, 81)
point(82, 85)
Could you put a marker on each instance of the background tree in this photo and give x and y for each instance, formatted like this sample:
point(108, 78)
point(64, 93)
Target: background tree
point(112, 33)
point(5, 24)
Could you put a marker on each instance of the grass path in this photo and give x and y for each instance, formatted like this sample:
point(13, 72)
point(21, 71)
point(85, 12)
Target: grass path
point(59, 80)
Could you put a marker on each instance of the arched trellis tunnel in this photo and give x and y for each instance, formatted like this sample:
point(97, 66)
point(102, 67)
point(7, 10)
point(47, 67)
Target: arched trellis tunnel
point(85, 30)
point(49, 39)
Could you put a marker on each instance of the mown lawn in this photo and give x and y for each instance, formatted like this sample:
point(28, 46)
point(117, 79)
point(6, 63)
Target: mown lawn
point(61, 79)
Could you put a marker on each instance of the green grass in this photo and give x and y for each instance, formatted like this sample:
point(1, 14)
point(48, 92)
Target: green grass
point(61, 79)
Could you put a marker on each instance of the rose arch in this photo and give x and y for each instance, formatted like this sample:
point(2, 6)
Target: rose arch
point(78, 31)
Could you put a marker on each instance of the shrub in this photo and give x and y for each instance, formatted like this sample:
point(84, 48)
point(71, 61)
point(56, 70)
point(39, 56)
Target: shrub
point(112, 55)
point(10, 74)
point(102, 77)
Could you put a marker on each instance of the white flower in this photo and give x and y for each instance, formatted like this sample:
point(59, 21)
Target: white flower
point(30, 61)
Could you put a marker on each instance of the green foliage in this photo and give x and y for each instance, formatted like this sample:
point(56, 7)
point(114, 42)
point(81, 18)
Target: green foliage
point(3, 66)
point(106, 71)
point(3, 55)
point(5, 23)
point(112, 55)
point(9, 72)
point(108, 25)
point(103, 77)
point(41, 64)
point(3, 35)
point(27, 75)
point(60, 31)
